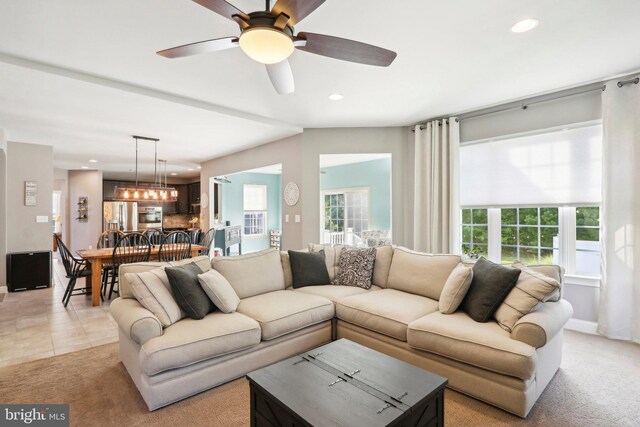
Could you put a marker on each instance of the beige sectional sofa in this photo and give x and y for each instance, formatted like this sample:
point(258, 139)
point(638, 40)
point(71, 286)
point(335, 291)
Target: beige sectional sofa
point(398, 316)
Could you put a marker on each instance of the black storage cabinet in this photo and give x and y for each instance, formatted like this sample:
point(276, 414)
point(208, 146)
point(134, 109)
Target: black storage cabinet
point(28, 270)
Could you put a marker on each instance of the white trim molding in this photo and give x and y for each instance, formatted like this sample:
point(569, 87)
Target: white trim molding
point(583, 326)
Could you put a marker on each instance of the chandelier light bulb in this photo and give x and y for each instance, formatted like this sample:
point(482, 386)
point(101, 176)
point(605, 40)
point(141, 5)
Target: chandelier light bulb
point(136, 194)
point(126, 194)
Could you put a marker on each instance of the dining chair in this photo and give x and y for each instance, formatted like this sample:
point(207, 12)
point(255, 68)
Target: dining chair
point(75, 268)
point(195, 236)
point(177, 246)
point(107, 239)
point(155, 235)
point(130, 248)
point(207, 240)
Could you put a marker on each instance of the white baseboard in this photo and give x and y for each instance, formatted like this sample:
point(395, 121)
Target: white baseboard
point(583, 326)
point(4, 290)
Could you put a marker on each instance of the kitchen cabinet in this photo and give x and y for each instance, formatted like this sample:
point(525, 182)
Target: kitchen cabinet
point(183, 198)
point(194, 198)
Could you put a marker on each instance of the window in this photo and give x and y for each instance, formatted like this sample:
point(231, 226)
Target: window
point(345, 215)
point(529, 235)
point(255, 210)
point(535, 198)
point(475, 236)
point(534, 236)
point(587, 254)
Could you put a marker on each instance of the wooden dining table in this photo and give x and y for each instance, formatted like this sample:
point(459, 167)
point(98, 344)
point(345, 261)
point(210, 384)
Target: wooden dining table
point(98, 256)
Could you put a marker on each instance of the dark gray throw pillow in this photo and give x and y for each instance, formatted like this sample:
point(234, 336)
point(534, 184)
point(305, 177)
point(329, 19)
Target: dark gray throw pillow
point(187, 291)
point(308, 268)
point(490, 286)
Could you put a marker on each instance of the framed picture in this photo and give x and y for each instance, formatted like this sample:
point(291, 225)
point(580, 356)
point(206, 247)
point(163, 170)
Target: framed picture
point(30, 190)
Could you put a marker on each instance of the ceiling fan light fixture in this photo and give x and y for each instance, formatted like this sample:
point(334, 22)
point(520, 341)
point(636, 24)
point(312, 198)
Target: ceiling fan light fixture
point(266, 45)
point(525, 25)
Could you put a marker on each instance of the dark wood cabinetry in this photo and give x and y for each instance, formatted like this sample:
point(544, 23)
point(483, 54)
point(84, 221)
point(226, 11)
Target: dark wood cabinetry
point(188, 196)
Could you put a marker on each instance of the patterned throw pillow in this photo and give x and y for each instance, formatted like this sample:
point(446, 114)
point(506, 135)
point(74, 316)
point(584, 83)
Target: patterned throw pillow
point(355, 267)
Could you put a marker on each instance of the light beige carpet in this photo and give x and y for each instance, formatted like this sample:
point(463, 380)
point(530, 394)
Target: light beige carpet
point(598, 385)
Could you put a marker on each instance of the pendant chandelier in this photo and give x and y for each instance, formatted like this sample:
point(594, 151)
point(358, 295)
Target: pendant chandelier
point(158, 192)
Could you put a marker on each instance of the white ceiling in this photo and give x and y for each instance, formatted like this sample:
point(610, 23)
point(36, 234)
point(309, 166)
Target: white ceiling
point(83, 75)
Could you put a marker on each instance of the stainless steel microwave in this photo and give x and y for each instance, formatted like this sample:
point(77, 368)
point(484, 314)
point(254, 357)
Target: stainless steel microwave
point(149, 217)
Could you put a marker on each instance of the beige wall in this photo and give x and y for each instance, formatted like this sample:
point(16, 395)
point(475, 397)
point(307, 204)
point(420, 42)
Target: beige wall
point(85, 183)
point(353, 140)
point(299, 156)
point(3, 211)
point(288, 152)
point(28, 162)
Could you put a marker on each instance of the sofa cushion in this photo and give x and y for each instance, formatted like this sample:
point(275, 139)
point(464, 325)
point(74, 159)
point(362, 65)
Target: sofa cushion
point(252, 274)
point(201, 261)
point(455, 289)
point(331, 256)
point(308, 268)
point(554, 271)
point(485, 345)
point(531, 290)
point(386, 311)
point(384, 255)
point(138, 267)
point(355, 267)
point(335, 293)
point(420, 273)
point(282, 312)
point(191, 341)
point(219, 291)
point(153, 291)
point(490, 285)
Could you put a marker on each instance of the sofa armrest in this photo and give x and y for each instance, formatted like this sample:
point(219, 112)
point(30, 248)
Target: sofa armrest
point(138, 323)
point(537, 328)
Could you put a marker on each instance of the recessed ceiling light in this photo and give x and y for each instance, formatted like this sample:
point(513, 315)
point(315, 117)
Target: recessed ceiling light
point(173, 173)
point(93, 161)
point(190, 169)
point(525, 25)
point(84, 167)
point(336, 97)
point(199, 167)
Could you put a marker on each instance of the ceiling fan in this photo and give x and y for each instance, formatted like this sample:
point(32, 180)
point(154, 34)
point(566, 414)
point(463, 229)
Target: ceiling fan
point(268, 37)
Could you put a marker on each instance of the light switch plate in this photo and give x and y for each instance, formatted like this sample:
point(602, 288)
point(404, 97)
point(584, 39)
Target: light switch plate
point(42, 218)
point(297, 218)
point(286, 218)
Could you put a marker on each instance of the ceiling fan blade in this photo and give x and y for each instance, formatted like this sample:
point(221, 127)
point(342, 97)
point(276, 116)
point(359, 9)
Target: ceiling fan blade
point(297, 10)
point(346, 50)
point(198, 48)
point(223, 8)
point(281, 77)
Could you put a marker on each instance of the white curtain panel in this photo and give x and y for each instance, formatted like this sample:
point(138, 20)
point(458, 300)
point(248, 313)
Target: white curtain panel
point(620, 290)
point(436, 222)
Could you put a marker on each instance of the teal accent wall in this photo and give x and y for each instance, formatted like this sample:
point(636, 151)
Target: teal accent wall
point(233, 209)
point(374, 174)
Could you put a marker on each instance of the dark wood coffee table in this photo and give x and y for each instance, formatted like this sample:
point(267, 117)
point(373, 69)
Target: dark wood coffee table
point(345, 384)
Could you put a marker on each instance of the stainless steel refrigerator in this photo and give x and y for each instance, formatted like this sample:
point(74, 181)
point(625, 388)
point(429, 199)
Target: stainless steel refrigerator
point(121, 216)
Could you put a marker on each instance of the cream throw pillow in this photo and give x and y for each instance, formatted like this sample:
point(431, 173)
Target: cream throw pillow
point(455, 289)
point(153, 291)
point(531, 290)
point(219, 290)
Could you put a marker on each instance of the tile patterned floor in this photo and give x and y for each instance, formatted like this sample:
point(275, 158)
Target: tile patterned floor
point(35, 324)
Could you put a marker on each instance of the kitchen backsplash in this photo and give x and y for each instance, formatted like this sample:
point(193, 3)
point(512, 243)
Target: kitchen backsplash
point(177, 221)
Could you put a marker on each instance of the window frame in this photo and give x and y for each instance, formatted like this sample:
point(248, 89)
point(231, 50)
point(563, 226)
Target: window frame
point(566, 239)
point(343, 191)
point(264, 212)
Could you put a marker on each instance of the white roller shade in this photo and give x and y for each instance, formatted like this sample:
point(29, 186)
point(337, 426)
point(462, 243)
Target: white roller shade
point(555, 168)
point(255, 197)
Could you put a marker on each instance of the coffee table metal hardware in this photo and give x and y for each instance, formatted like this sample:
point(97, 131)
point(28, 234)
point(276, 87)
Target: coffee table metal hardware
point(350, 375)
point(399, 398)
point(387, 406)
point(336, 382)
